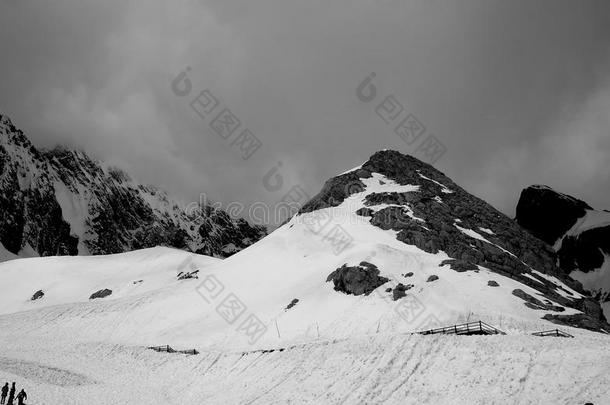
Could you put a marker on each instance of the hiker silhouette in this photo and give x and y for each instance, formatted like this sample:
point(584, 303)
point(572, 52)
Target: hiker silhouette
point(4, 393)
point(21, 397)
point(11, 395)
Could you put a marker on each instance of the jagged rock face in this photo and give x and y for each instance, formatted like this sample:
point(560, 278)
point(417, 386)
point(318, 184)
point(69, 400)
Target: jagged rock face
point(440, 216)
point(62, 202)
point(547, 214)
point(581, 235)
point(441, 208)
point(585, 251)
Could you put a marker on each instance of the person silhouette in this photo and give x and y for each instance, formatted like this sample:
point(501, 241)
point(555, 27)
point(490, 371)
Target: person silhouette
point(22, 396)
point(4, 393)
point(11, 395)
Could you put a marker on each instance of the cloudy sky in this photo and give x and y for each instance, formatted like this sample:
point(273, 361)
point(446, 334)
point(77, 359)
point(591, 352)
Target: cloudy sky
point(517, 91)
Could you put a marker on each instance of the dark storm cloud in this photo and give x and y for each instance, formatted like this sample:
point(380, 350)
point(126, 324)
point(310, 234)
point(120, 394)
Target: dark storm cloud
point(517, 90)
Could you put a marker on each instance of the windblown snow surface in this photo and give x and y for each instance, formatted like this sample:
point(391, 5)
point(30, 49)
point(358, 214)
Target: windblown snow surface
point(329, 348)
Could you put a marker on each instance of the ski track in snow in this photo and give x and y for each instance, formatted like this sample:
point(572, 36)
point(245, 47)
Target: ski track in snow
point(381, 368)
point(41, 373)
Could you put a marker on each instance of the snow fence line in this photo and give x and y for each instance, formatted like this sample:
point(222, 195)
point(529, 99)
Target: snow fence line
point(169, 349)
point(468, 329)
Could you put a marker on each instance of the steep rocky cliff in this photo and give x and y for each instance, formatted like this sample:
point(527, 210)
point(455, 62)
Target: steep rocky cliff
point(63, 202)
point(579, 234)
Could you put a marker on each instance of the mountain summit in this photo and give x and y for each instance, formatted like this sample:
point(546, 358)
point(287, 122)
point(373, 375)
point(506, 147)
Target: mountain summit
point(426, 209)
point(62, 202)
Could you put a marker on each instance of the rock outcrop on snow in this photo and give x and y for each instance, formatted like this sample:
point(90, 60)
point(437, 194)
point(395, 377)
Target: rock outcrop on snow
point(63, 202)
point(357, 280)
point(101, 294)
point(37, 295)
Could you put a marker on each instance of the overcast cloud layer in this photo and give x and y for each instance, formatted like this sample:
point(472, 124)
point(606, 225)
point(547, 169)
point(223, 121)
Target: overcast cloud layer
point(518, 91)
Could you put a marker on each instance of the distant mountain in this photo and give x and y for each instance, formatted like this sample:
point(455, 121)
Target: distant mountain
point(62, 202)
point(579, 234)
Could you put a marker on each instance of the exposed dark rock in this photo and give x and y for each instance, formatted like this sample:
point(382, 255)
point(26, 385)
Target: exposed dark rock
point(336, 190)
point(365, 212)
point(389, 289)
point(493, 283)
point(433, 277)
point(585, 251)
point(100, 294)
point(591, 308)
point(459, 265)
point(409, 274)
point(401, 291)
point(583, 321)
point(37, 295)
point(184, 275)
point(292, 303)
point(357, 280)
point(547, 214)
point(534, 303)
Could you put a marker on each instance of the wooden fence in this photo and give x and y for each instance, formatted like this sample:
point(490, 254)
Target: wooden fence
point(169, 349)
point(554, 332)
point(471, 328)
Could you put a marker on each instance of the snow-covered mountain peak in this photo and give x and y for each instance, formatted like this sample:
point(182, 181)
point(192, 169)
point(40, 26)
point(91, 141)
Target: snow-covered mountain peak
point(423, 208)
point(63, 202)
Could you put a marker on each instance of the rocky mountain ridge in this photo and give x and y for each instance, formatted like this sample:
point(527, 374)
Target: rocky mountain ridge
point(439, 216)
point(63, 202)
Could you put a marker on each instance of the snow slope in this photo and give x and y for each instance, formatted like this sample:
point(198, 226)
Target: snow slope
point(372, 369)
point(73, 279)
point(337, 348)
point(328, 348)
